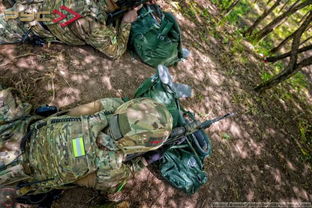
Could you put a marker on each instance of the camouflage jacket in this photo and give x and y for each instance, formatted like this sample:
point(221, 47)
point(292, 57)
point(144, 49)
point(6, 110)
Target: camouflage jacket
point(90, 29)
point(69, 149)
point(64, 149)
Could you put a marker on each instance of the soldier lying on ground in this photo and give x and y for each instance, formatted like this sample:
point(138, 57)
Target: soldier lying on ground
point(85, 146)
point(90, 29)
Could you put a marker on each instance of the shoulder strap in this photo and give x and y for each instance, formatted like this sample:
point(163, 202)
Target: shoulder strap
point(145, 87)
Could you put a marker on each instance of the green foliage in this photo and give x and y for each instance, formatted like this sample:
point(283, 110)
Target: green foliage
point(222, 4)
point(239, 12)
point(264, 47)
point(306, 9)
point(266, 76)
point(305, 130)
point(278, 66)
point(298, 82)
point(226, 136)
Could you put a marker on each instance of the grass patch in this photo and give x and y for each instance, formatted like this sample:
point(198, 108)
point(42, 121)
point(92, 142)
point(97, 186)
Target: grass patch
point(305, 129)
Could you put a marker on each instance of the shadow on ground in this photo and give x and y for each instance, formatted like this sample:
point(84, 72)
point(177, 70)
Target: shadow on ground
point(255, 155)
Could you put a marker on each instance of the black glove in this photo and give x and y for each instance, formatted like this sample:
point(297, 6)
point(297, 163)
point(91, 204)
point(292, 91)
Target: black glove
point(37, 41)
point(153, 156)
point(32, 39)
point(46, 111)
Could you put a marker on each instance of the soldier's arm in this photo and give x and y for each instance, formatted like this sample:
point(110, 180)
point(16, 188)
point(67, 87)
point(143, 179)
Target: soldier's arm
point(109, 104)
point(111, 180)
point(109, 40)
point(112, 174)
point(112, 41)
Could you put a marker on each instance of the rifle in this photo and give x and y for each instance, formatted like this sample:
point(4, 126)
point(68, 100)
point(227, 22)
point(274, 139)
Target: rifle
point(124, 6)
point(179, 133)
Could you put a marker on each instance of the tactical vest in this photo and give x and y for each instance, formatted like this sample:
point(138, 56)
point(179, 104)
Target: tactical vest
point(64, 149)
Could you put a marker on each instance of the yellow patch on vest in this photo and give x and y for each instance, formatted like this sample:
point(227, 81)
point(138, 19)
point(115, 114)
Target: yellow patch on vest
point(78, 147)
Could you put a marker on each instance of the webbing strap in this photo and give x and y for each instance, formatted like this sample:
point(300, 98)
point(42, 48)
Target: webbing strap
point(166, 28)
point(114, 127)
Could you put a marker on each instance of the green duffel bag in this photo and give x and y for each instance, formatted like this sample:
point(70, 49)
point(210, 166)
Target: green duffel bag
point(161, 88)
point(156, 37)
point(182, 169)
point(182, 164)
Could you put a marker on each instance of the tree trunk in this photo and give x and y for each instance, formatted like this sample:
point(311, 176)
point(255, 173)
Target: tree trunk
point(294, 4)
point(284, 5)
point(250, 30)
point(284, 75)
point(292, 67)
point(277, 48)
point(303, 18)
point(273, 59)
point(269, 28)
point(306, 40)
point(231, 7)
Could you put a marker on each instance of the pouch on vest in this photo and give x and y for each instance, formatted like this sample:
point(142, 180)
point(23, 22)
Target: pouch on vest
point(182, 165)
point(156, 37)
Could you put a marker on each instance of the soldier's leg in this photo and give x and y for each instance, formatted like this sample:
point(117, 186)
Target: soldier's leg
point(86, 109)
point(12, 175)
point(11, 164)
point(11, 31)
point(12, 130)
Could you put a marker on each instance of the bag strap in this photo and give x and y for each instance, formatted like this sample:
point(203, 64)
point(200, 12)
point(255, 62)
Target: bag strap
point(166, 28)
point(145, 87)
point(178, 29)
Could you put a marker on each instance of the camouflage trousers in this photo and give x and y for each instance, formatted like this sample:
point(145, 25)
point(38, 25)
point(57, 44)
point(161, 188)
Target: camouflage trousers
point(11, 31)
point(14, 121)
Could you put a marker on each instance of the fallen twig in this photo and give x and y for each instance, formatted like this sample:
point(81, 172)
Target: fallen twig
point(24, 55)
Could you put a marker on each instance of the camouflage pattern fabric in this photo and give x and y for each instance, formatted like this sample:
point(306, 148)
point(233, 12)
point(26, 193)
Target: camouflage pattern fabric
point(63, 150)
point(14, 121)
point(91, 29)
point(11, 31)
point(58, 165)
point(150, 125)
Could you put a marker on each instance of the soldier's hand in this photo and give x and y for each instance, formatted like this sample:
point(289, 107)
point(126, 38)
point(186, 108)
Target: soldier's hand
point(131, 15)
point(152, 2)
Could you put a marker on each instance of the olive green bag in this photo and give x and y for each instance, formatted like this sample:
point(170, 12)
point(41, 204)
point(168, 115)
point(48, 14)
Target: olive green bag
point(182, 164)
point(156, 37)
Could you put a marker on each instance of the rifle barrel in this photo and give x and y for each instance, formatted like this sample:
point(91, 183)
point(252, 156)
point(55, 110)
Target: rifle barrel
point(178, 131)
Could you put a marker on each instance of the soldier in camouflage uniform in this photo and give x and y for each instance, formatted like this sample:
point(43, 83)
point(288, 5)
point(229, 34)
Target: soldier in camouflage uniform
point(87, 146)
point(90, 29)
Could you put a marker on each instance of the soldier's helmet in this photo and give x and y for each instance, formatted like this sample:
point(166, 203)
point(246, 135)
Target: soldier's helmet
point(140, 125)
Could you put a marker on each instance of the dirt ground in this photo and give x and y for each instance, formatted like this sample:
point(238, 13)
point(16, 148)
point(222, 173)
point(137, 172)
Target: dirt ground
point(256, 155)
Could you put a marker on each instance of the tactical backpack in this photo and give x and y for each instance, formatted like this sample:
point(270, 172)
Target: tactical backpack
point(156, 37)
point(182, 164)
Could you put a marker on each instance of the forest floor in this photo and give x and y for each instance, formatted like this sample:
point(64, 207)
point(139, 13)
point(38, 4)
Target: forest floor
point(258, 156)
